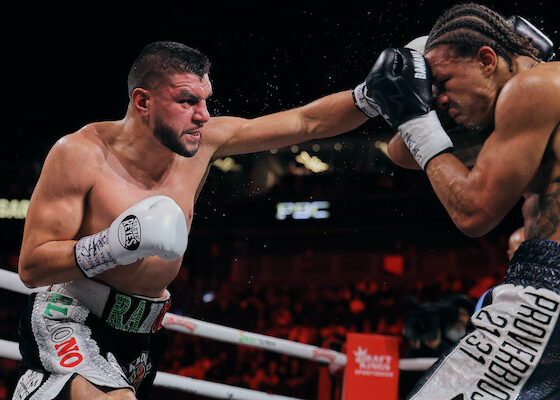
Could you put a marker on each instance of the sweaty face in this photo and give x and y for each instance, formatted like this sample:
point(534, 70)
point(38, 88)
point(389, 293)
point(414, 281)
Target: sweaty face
point(180, 112)
point(463, 90)
point(171, 139)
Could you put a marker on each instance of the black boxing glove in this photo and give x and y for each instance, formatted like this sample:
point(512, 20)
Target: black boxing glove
point(539, 40)
point(400, 84)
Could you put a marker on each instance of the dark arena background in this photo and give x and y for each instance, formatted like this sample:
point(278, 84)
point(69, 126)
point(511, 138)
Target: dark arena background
point(305, 243)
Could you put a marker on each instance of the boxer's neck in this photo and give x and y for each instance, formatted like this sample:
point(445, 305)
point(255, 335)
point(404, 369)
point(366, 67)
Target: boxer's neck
point(136, 145)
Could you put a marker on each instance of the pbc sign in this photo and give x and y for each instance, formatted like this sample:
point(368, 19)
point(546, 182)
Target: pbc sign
point(303, 210)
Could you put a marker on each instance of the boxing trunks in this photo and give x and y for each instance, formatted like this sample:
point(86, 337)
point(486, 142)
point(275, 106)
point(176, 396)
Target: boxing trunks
point(512, 349)
point(112, 339)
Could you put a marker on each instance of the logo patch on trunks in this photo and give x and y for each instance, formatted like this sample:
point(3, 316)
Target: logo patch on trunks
point(62, 335)
point(139, 368)
point(130, 232)
point(132, 314)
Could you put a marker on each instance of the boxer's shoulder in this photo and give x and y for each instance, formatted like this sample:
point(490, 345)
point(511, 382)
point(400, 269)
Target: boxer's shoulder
point(551, 66)
point(541, 77)
point(218, 129)
point(550, 76)
point(84, 147)
point(532, 91)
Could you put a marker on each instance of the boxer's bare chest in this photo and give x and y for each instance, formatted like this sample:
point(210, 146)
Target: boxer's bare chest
point(118, 186)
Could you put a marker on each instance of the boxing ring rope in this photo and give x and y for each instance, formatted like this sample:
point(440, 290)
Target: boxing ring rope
point(11, 281)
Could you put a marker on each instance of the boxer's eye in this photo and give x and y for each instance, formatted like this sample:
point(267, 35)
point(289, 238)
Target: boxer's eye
point(189, 101)
point(440, 86)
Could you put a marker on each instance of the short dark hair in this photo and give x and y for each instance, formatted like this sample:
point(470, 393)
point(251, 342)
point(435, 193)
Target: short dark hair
point(470, 26)
point(162, 58)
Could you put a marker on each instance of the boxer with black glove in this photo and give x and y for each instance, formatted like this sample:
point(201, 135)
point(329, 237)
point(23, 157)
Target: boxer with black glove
point(400, 84)
point(539, 40)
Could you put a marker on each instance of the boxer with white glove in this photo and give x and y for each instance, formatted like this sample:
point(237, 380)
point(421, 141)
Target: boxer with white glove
point(400, 84)
point(155, 226)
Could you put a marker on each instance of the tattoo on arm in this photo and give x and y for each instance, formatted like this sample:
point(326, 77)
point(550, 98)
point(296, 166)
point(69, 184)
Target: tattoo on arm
point(545, 216)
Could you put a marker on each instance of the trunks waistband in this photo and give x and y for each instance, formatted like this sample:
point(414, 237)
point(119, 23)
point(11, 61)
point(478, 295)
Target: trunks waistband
point(119, 310)
point(536, 263)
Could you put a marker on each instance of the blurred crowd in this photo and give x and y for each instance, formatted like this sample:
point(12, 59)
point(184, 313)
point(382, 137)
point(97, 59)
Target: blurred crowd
point(427, 318)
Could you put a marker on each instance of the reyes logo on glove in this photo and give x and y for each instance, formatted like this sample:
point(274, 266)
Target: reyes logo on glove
point(130, 232)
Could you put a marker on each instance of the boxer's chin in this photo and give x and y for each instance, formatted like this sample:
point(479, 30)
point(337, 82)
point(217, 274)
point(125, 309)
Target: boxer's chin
point(189, 142)
point(188, 151)
point(184, 150)
point(178, 143)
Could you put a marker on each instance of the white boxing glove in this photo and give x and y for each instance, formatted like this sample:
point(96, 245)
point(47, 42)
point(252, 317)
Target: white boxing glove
point(418, 44)
point(155, 226)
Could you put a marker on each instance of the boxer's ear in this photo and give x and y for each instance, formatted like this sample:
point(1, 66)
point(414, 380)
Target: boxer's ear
point(139, 100)
point(488, 59)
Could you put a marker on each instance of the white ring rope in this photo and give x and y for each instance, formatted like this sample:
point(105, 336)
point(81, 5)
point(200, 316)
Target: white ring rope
point(9, 350)
point(11, 281)
point(211, 389)
point(335, 359)
point(218, 332)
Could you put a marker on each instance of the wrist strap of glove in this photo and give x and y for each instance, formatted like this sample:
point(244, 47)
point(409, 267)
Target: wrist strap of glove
point(363, 103)
point(425, 137)
point(93, 254)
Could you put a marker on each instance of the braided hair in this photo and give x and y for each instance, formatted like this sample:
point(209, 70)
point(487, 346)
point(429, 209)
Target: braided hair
point(470, 26)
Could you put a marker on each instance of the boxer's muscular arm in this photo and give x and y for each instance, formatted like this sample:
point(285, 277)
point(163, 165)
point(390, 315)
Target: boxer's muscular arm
point(325, 117)
point(477, 200)
point(399, 153)
point(55, 214)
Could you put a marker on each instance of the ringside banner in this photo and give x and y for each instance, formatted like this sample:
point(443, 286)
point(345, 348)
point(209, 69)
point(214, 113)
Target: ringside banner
point(372, 370)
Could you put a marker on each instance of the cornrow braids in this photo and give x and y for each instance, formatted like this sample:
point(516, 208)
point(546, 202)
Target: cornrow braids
point(470, 26)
